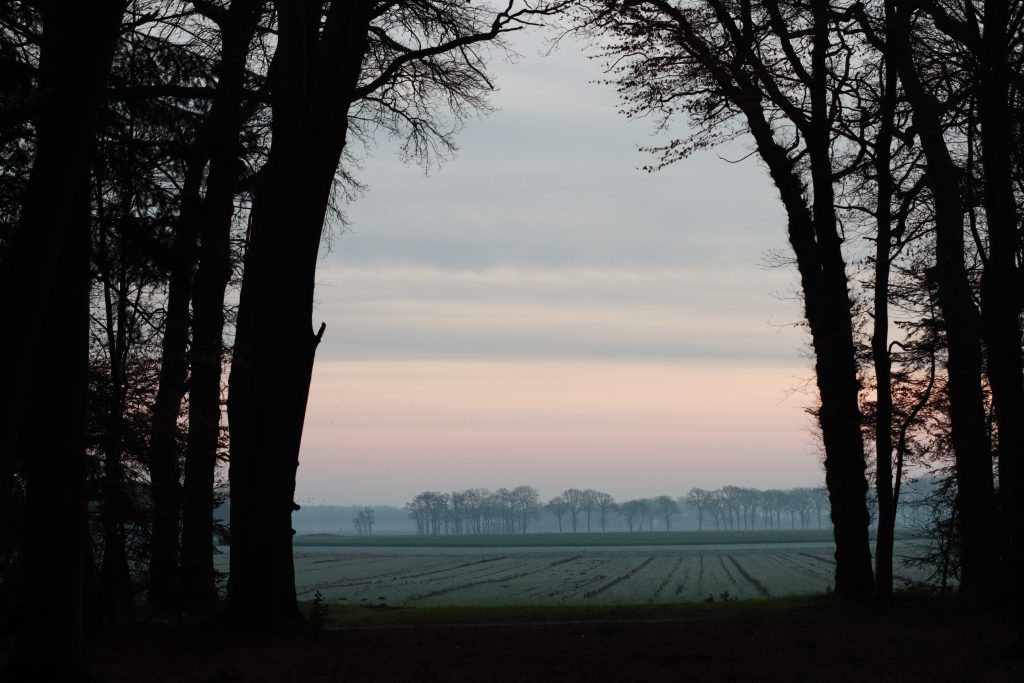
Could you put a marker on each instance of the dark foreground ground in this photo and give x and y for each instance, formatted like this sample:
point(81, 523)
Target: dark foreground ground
point(808, 640)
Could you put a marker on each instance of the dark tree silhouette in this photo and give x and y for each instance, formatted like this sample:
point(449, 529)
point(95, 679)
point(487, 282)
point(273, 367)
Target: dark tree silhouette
point(398, 57)
point(769, 69)
point(962, 319)
point(44, 285)
point(221, 142)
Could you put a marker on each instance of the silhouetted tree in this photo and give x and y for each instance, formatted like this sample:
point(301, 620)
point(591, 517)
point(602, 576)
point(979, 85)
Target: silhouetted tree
point(411, 57)
point(962, 320)
point(363, 522)
point(227, 141)
point(605, 505)
point(767, 69)
point(697, 498)
point(576, 500)
point(44, 277)
point(667, 509)
point(559, 507)
point(526, 505)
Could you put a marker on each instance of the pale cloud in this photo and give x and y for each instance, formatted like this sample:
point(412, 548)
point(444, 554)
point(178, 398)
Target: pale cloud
point(568, 312)
point(554, 178)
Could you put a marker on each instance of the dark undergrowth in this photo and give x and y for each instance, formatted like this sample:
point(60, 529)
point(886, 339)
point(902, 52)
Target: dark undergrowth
point(924, 637)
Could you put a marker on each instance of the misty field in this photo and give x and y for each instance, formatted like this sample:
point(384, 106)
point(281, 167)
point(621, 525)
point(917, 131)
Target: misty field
point(406, 574)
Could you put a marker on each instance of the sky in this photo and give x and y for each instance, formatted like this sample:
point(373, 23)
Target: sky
point(539, 310)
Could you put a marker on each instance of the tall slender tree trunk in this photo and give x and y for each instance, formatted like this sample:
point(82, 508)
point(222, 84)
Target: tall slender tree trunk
point(880, 355)
point(312, 84)
point(969, 434)
point(198, 585)
point(164, 449)
point(118, 596)
point(214, 217)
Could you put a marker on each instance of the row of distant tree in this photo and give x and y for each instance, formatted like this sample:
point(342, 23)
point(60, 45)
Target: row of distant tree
point(728, 508)
point(511, 511)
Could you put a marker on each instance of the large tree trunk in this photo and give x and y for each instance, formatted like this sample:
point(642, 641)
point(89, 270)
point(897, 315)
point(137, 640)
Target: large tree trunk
point(50, 643)
point(198, 584)
point(814, 236)
point(1001, 284)
point(829, 314)
point(44, 286)
point(274, 344)
point(969, 435)
point(214, 219)
point(1001, 290)
point(827, 307)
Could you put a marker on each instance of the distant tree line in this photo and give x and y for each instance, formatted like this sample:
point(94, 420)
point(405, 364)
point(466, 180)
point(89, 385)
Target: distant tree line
point(926, 509)
point(734, 507)
point(475, 511)
point(511, 511)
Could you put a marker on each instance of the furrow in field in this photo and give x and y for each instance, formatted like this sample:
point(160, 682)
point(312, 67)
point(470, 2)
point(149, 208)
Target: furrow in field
point(400, 580)
point(309, 581)
point(790, 576)
point(682, 585)
point(668, 578)
point(568, 580)
point(760, 587)
point(791, 563)
point(732, 579)
point(560, 574)
point(818, 558)
point(618, 579)
point(472, 584)
point(374, 572)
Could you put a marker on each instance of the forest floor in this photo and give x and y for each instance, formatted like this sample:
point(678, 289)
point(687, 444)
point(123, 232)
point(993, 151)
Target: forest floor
point(805, 639)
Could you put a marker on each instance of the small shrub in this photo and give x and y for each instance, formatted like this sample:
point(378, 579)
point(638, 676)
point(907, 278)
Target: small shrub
point(317, 612)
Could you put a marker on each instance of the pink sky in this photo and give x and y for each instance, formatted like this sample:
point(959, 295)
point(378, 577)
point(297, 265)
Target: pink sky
point(380, 431)
point(540, 310)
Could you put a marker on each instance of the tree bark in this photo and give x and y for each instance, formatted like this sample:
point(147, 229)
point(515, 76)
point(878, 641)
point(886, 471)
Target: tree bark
point(214, 217)
point(312, 84)
point(117, 592)
point(816, 244)
point(1001, 278)
point(50, 640)
point(164, 450)
point(881, 358)
point(44, 286)
point(969, 435)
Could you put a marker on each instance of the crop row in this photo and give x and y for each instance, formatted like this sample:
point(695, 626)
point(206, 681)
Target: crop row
point(570, 575)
